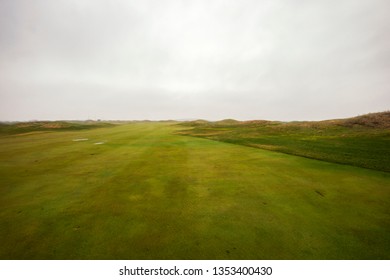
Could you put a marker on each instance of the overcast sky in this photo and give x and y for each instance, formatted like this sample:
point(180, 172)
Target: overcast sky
point(176, 59)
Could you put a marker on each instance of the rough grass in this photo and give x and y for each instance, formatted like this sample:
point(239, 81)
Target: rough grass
point(361, 141)
point(373, 120)
point(42, 126)
point(150, 194)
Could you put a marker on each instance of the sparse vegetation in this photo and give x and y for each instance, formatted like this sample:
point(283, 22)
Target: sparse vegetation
point(373, 120)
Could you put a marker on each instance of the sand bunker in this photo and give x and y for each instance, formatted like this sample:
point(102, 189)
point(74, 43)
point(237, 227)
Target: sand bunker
point(80, 139)
point(99, 143)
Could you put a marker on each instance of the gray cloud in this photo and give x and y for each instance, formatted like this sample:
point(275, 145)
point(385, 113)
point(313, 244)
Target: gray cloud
point(193, 59)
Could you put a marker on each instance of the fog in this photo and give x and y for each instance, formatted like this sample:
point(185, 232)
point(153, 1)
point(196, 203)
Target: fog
point(280, 60)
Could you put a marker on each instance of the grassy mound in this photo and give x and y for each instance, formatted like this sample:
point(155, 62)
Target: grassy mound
point(373, 120)
point(41, 126)
point(361, 141)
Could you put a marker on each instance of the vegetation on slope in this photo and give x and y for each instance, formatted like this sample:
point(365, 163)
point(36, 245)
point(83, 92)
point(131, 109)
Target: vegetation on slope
point(362, 141)
point(41, 126)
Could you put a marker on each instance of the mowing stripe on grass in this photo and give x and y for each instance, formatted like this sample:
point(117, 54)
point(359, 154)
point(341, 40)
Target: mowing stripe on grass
point(150, 194)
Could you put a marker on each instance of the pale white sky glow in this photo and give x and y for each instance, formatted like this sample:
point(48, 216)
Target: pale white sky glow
point(175, 59)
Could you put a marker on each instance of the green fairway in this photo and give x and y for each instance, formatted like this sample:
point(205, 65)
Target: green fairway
point(145, 192)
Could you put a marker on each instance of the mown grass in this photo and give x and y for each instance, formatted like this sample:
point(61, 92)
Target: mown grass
point(147, 193)
point(362, 141)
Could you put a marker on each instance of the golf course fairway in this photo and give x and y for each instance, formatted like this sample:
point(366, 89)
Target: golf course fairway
point(140, 191)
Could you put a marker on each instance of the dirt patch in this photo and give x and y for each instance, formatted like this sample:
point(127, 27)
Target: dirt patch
point(319, 193)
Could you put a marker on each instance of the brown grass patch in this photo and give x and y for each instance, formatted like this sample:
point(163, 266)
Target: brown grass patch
point(373, 120)
point(266, 147)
